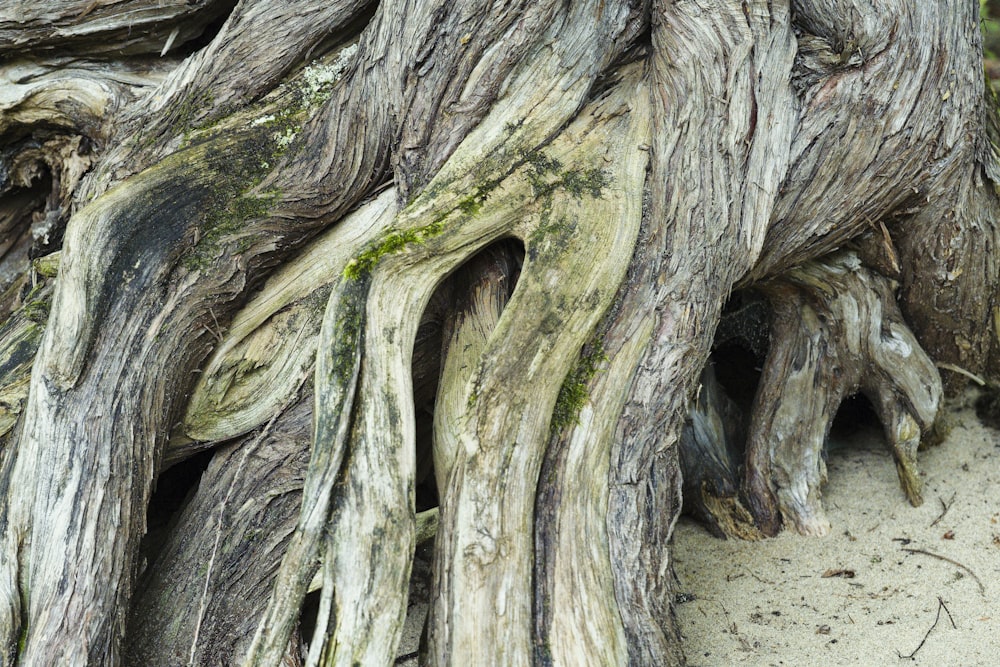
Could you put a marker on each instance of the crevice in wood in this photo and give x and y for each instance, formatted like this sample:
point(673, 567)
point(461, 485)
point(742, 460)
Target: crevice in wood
point(476, 295)
point(19, 208)
point(211, 568)
point(187, 48)
point(173, 488)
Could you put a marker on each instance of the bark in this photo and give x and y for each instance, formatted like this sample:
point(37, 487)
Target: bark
point(464, 257)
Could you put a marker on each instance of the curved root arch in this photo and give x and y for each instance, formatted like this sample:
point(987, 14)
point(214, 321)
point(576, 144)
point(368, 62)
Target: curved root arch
point(578, 220)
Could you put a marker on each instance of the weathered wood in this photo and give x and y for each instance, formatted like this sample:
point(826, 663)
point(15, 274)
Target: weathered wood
point(711, 449)
point(836, 330)
point(141, 286)
point(719, 86)
point(102, 26)
point(915, 154)
point(483, 547)
point(228, 75)
point(269, 348)
point(205, 589)
point(480, 292)
point(220, 192)
point(55, 113)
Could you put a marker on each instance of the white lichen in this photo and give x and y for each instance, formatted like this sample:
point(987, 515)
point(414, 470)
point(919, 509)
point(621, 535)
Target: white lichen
point(285, 137)
point(319, 78)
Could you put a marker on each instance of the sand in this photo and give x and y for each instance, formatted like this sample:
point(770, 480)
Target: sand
point(857, 596)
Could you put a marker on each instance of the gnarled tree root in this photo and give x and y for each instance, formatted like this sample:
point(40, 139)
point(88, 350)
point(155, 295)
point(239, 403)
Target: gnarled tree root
point(748, 141)
point(836, 330)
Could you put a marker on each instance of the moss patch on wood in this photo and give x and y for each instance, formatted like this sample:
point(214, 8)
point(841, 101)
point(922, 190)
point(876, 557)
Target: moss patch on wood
point(236, 170)
point(267, 132)
point(544, 173)
point(574, 393)
point(392, 242)
point(348, 332)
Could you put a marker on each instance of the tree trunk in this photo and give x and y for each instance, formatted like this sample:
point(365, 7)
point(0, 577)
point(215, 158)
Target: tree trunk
point(358, 275)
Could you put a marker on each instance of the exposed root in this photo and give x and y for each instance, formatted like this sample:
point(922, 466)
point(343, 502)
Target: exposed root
point(486, 286)
point(648, 156)
point(836, 330)
point(271, 343)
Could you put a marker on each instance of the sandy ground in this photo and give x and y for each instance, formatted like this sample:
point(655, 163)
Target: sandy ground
point(857, 596)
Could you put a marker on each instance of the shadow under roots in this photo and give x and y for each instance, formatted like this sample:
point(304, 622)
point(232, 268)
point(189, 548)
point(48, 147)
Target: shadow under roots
point(714, 436)
point(174, 487)
point(855, 416)
point(209, 33)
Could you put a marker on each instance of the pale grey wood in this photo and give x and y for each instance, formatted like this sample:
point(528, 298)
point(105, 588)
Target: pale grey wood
point(203, 591)
point(836, 330)
point(481, 291)
point(103, 26)
point(773, 134)
point(720, 90)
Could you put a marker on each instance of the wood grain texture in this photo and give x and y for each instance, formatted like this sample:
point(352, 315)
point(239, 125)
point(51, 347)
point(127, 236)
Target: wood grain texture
point(103, 26)
point(836, 330)
point(719, 88)
point(261, 197)
point(205, 589)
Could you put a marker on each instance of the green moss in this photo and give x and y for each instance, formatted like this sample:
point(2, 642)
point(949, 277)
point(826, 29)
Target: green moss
point(470, 205)
point(223, 220)
point(37, 311)
point(390, 243)
point(345, 348)
point(190, 108)
point(541, 163)
point(543, 651)
point(577, 181)
point(268, 137)
point(236, 169)
point(183, 119)
point(544, 172)
point(47, 266)
point(574, 393)
point(22, 640)
point(590, 181)
point(561, 228)
point(36, 304)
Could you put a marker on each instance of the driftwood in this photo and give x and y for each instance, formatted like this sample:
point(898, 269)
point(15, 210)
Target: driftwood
point(458, 268)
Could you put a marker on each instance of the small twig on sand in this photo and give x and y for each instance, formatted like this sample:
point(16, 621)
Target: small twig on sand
point(941, 605)
point(944, 509)
point(982, 588)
